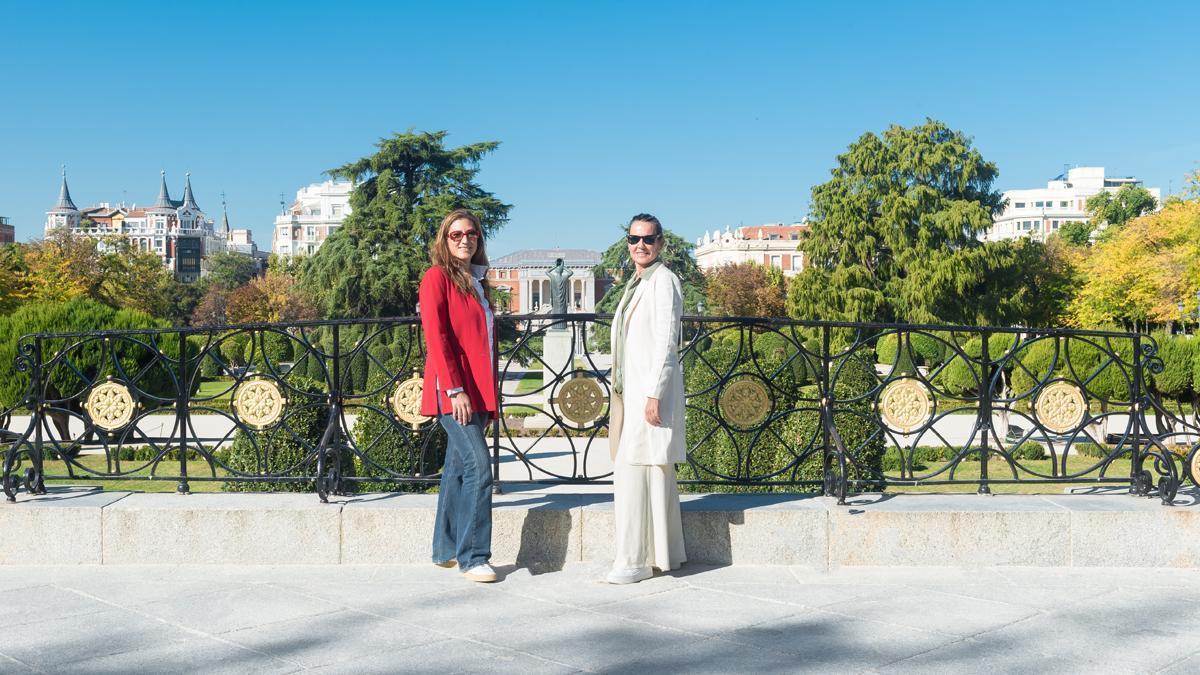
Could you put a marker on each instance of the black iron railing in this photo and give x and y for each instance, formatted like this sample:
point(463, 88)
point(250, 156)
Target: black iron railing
point(333, 407)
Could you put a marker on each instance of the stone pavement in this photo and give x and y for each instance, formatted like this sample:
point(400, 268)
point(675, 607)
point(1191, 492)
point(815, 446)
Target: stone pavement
point(417, 618)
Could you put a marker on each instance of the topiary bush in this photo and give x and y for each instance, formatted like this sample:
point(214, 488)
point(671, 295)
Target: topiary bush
point(855, 420)
point(1178, 354)
point(921, 349)
point(1029, 451)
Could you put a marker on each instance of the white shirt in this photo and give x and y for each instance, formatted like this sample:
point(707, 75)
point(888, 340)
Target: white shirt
point(479, 272)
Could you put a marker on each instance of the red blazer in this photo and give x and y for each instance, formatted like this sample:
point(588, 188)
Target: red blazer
point(456, 346)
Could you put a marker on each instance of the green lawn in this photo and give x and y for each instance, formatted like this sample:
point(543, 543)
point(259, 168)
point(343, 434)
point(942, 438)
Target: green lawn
point(213, 388)
point(531, 382)
point(98, 463)
point(999, 469)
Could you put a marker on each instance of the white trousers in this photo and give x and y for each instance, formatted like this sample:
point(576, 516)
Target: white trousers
point(649, 528)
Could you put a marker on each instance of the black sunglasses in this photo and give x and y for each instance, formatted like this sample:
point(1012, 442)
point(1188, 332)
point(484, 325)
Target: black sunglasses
point(648, 238)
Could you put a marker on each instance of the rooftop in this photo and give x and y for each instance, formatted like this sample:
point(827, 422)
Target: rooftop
point(545, 257)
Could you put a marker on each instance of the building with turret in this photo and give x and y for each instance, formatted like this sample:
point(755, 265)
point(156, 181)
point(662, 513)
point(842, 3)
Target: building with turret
point(177, 231)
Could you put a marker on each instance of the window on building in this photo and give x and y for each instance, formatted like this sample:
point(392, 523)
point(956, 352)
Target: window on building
point(1053, 224)
point(1063, 204)
point(1019, 205)
point(777, 261)
point(337, 209)
point(795, 236)
point(311, 233)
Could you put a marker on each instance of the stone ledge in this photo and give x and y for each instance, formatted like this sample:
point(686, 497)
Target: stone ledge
point(546, 529)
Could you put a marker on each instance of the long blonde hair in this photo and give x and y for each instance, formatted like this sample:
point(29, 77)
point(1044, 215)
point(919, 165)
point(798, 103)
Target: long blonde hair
point(439, 254)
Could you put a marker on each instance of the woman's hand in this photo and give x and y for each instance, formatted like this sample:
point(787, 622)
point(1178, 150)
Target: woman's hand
point(652, 416)
point(461, 405)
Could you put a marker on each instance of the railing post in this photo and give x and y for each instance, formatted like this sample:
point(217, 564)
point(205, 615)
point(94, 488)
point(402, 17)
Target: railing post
point(182, 390)
point(496, 488)
point(329, 437)
point(984, 425)
point(1136, 485)
point(826, 420)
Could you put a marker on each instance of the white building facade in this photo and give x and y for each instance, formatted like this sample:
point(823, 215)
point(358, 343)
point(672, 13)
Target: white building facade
point(1040, 212)
point(317, 212)
point(773, 245)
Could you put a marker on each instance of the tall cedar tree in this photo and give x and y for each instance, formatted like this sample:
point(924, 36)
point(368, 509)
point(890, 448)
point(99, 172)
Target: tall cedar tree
point(372, 264)
point(894, 236)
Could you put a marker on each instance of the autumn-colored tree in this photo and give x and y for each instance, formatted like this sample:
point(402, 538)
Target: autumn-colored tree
point(247, 304)
point(210, 311)
point(13, 288)
point(284, 299)
point(133, 279)
point(1141, 273)
point(747, 289)
point(62, 267)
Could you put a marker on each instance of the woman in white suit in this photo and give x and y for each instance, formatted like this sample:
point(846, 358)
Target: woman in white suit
point(647, 442)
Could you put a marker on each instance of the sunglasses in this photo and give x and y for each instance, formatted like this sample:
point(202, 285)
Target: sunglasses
point(650, 239)
point(459, 234)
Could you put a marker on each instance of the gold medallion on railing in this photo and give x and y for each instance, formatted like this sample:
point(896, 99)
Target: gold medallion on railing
point(581, 400)
point(745, 402)
point(405, 401)
point(259, 403)
point(1060, 407)
point(905, 404)
point(110, 405)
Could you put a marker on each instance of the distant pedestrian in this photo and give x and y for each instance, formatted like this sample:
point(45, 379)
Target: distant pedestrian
point(647, 383)
point(456, 315)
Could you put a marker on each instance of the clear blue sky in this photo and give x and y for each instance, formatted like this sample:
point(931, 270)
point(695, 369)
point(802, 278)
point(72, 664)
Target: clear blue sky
point(706, 114)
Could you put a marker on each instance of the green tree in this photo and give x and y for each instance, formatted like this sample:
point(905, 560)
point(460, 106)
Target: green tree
point(1117, 209)
point(372, 264)
point(1076, 233)
point(230, 270)
point(894, 234)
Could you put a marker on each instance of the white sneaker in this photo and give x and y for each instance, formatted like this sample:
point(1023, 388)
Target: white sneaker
point(629, 575)
point(484, 574)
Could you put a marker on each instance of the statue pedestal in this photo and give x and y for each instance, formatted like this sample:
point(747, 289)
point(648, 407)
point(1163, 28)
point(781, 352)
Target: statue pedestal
point(556, 352)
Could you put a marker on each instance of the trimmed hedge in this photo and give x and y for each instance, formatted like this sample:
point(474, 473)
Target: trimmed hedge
point(794, 426)
point(393, 448)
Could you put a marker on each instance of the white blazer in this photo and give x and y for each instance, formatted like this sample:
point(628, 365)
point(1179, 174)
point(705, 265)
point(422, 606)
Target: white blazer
point(651, 369)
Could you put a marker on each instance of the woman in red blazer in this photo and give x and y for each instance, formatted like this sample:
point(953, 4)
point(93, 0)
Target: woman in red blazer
point(460, 389)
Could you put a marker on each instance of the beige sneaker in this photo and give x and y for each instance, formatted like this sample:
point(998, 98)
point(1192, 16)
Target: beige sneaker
point(484, 574)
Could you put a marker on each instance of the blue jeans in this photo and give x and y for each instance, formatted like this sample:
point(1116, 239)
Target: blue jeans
point(463, 529)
